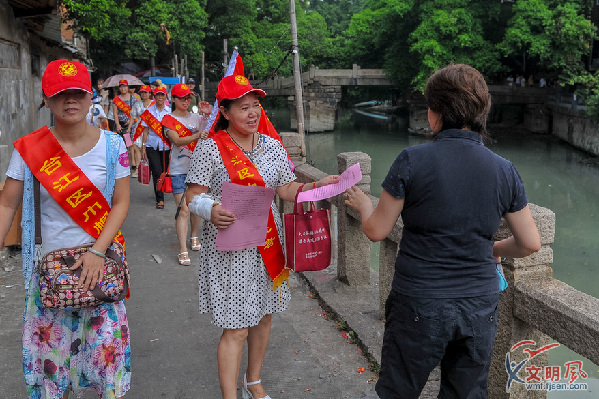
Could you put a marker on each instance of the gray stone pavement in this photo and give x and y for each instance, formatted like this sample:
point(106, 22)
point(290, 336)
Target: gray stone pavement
point(174, 347)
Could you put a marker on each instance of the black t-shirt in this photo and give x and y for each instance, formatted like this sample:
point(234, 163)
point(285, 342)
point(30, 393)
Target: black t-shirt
point(455, 191)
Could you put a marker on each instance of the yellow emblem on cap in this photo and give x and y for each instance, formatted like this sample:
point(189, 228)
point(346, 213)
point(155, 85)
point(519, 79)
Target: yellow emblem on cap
point(241, 80)
point(184, 87)
point(67, 69)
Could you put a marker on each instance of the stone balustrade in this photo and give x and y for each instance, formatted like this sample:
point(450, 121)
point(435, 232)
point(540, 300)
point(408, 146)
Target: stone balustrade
point(534, 307)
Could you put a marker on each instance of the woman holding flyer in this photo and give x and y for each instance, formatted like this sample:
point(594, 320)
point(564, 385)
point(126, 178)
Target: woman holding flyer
point(87, 348)
point(451, 194)
point(184, 129)
point(241, 288)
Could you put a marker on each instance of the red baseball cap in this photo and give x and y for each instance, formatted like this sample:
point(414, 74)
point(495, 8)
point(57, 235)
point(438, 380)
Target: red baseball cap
point(145, 88)
point(233, 87)
point(160, 89)
point(61, 75)
point(181, 90)
point(123, 82)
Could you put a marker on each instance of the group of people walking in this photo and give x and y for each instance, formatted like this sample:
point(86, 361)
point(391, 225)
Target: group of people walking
point(451, 194)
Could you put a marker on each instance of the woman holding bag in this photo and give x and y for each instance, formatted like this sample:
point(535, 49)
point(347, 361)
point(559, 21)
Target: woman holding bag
point(184, 129)
point(84, 173)
point(155, 146)
point(137, 128)
point(241, 288)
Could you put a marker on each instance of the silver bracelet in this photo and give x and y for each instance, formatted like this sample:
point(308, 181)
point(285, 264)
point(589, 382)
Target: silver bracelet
point(93, 251)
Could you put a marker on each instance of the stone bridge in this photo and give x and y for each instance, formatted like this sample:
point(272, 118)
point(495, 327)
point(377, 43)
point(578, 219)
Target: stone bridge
point(535, 306)
point(323, 90)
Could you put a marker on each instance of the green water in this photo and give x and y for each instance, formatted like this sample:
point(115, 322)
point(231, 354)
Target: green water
point(553, 175)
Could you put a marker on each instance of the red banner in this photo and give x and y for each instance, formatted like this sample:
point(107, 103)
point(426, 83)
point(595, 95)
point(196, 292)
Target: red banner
point(65, 181)
point(173, 123)
point(122, 106)
point(242, 171)
point(155, 125)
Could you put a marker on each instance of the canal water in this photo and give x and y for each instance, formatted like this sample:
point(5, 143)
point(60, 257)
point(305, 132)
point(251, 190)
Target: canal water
point(556, 176)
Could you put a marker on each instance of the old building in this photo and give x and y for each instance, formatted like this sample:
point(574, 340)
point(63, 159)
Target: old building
point(31, 35)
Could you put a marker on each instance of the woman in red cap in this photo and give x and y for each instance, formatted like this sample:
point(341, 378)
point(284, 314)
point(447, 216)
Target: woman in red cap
point(138, 109)
point(184, 129)
point(121, 109)
point(70, 349)
point(241, 288)
point(155, 146)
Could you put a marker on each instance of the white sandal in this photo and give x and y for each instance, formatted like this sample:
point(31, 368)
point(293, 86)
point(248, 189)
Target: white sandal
point(195, 244)
point(245, 392)
point(184, 259)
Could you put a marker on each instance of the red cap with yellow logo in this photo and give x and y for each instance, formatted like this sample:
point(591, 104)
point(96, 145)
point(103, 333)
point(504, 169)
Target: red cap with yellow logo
point(233, 87)
point(123, 82)
point(181, 90)
point(61, 75)
point(159, 90)
point(145, 88)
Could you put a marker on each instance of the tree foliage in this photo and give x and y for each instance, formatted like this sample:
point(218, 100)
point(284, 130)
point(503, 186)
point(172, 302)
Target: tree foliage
point(556, 32)
point(121, 30)
point(408, 38)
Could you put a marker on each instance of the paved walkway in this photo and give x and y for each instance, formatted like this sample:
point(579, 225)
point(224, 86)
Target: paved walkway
point(174, 347)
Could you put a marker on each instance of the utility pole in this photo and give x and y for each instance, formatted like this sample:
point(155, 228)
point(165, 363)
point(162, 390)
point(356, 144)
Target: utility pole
point(203, 87)
point(225, 56)
point(297, 78)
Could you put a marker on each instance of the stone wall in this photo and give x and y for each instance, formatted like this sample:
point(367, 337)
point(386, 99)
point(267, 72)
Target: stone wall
point(575, 127)
point(23, 58)
point(320, 104)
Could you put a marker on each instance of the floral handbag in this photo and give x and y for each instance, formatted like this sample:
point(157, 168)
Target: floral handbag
point(58, 284)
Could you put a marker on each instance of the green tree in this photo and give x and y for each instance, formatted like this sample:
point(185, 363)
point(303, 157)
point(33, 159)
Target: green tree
point(261, 31)
point(121, 30)
point(96, 18)
point(557, 33)
point(412, 38)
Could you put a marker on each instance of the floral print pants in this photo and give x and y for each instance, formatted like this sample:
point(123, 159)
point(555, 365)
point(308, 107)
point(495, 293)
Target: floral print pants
point(75, 349)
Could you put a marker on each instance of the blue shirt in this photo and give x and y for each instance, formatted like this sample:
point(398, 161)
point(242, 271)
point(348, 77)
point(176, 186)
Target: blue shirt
point(455, 192)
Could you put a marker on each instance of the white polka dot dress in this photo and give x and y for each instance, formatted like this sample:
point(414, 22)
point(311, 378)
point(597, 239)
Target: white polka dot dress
point(234, 285)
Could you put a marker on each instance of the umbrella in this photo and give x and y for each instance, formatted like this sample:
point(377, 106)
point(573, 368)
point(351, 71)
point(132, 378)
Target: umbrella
point(114, 80)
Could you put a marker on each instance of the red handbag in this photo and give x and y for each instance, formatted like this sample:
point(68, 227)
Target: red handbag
point(164, 183)
point(307, 238)
point(143, 172)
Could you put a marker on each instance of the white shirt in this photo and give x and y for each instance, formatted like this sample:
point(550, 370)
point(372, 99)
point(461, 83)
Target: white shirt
point(59, 230)
point(153, 140)
point(94, 114)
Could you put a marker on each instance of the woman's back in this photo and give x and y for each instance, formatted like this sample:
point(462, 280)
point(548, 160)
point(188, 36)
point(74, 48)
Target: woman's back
point(455, 192)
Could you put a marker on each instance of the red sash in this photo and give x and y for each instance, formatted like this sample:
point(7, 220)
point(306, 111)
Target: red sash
point(242, 171)
point(155, 125)
point(138, 131)
point(65, 181)
point(140, 128)
point(122, 106)
point(173, 123)
point(265, 127)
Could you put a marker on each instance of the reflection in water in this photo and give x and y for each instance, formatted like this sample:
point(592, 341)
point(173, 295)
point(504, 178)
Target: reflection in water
point(553, 177)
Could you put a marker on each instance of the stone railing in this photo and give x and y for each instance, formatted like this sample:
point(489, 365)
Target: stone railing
point(535, 306)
